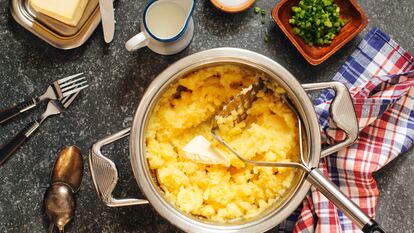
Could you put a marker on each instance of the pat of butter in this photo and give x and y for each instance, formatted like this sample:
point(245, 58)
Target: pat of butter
point(199, 150)
point(66, 11)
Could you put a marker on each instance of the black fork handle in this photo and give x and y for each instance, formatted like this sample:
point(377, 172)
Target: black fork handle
point(15, 110)
point(8, 149)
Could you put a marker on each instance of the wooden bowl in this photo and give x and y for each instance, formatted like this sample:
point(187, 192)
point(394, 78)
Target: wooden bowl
point(233, 9)
point(315, 55)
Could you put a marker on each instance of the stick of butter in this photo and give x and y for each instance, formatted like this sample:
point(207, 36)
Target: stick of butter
point(66, 11)
point(199, 150)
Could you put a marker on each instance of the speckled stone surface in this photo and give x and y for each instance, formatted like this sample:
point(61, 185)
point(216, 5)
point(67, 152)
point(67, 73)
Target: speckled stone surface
point(118, 80)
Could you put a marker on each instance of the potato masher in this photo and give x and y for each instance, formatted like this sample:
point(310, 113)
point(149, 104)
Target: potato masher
point(236, 110)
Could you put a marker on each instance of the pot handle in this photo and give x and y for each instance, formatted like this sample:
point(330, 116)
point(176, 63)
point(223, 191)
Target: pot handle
point(105, 174)
point(341, 201)
point(342, 112)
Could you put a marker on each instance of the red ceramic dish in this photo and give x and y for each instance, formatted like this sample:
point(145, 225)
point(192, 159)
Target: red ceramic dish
point(315, 55)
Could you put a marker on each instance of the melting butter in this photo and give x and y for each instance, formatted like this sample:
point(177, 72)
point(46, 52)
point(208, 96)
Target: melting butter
point(199, 150)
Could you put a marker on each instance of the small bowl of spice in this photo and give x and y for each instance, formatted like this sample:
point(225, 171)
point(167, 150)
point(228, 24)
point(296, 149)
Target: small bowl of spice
point(232, 6)
point(319, 28)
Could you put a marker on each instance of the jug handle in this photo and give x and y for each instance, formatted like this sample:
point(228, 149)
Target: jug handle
point(136, 42)
point(105, 174)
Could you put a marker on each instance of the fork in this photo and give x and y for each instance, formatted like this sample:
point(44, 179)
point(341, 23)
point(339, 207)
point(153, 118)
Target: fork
point(56, 91)
point(54, 107)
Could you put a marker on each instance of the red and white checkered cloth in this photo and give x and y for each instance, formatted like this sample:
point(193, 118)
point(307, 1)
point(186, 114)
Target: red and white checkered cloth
point(379, 75)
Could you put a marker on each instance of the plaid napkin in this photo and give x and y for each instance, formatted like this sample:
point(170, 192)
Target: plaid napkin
point(379, 75)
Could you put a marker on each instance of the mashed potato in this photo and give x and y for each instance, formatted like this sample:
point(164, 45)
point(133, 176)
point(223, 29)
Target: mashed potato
point(217, 192)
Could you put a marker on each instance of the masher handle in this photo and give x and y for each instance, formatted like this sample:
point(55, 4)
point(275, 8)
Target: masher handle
point(346, 205)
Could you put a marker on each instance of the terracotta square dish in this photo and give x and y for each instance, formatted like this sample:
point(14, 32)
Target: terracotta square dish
point(315, 55)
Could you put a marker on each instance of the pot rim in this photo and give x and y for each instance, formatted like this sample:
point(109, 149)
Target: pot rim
point(137, 141)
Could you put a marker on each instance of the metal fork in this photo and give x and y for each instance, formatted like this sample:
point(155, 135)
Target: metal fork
point(56, 91)
point(54, 107)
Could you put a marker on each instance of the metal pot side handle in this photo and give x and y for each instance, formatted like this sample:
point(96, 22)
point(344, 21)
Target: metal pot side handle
point(342, 112)
point(342, 202)
point(105, 174)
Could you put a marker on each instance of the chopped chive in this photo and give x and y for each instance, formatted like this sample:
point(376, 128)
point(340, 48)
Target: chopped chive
point(317, 22)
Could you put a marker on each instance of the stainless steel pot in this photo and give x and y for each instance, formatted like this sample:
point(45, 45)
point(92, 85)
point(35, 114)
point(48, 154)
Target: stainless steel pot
point(105, 176)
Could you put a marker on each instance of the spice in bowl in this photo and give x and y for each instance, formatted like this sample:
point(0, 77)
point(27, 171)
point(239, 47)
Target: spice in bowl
point(232, 6)
point(317, 22)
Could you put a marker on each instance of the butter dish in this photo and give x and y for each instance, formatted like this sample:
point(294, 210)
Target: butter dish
point(54, 32)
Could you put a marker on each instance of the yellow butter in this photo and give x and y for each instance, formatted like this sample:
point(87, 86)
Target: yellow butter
point(66, 11)
point(199, 150)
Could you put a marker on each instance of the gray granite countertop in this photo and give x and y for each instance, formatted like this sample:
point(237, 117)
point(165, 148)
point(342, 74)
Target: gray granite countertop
point(118, 80)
